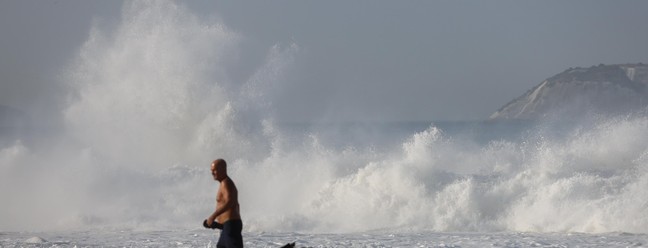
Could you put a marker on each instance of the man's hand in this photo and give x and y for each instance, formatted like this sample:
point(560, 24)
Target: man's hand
point(214, 225)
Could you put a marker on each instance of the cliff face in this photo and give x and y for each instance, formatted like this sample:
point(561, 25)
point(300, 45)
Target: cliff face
point(598, 89)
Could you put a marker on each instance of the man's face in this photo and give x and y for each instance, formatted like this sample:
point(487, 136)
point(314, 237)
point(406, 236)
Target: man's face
point(214, 171)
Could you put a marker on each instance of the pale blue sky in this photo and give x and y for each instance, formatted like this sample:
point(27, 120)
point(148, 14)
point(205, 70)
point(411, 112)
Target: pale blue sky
point(358, 60)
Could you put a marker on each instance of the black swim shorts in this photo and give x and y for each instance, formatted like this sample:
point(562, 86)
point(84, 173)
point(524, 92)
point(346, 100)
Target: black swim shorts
point(230, 236)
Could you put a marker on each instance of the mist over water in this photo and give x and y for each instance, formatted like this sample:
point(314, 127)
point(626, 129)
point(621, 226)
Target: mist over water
point(151, 105)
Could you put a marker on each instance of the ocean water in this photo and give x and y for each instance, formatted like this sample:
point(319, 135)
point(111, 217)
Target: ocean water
point(200, 238)
point(129, 164)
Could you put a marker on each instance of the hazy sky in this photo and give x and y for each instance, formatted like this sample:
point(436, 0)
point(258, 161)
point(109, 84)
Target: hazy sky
point(357, 60)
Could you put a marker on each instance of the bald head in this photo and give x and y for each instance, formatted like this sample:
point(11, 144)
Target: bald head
point(219, 169)
point(220, 163)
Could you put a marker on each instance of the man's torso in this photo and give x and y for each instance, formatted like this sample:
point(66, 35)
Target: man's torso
point(233, 213)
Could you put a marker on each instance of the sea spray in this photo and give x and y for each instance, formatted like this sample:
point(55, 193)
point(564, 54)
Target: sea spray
point(151, 105)
point(583, 183)
point(143, 88)
point(577, 183)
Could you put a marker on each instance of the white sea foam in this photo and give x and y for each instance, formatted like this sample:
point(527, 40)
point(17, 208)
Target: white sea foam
point(201, 238)
point(151, 106)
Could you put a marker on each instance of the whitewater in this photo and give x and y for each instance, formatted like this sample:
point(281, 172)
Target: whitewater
point(149, 108)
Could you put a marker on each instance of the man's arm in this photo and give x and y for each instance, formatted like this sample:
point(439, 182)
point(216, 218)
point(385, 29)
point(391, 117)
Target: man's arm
point(227, 203)
point(214, 225)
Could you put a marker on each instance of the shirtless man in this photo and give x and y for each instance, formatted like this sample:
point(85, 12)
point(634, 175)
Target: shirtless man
point(227, 215)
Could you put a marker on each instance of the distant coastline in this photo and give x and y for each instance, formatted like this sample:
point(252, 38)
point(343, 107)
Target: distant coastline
point(601, 89)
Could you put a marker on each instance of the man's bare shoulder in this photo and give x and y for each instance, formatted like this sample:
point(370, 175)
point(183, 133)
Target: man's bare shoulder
point(232, 185)
point(228, 185)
